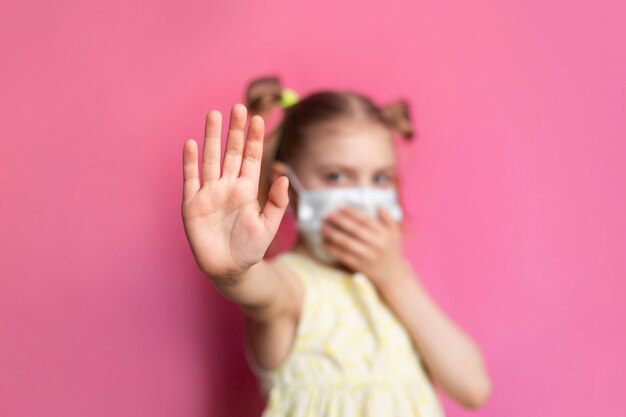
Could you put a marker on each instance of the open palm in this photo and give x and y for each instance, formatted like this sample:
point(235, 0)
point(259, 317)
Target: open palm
point(225, 227)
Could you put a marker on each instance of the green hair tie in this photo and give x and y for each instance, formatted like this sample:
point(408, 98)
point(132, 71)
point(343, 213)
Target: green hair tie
point(288, 97)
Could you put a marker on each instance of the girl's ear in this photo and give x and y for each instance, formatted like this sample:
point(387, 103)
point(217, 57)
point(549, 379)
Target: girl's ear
point(278, 169)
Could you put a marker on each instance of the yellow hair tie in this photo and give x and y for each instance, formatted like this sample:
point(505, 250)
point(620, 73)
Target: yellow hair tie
point(288, 97)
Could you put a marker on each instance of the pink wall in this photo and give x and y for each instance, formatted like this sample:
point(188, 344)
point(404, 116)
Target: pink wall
point(517, 190)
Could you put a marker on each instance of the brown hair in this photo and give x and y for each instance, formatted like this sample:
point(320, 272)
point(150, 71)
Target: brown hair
point(301, 120)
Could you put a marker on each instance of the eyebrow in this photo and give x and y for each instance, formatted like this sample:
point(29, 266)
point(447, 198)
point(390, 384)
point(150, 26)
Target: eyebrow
point(348, 168)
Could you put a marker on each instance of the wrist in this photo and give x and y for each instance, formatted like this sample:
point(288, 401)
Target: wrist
point(397, 277)
point(233, 284)
point(232, 278)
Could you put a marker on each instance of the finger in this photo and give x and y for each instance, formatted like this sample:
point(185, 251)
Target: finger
point(234, 142)
point(191, 179)
point(386, 218)
point(364, 219)
point(253, 152)
point(353, 226)
point(277, 202)
point(346, 242)
point(341, 255)
point(212, 147)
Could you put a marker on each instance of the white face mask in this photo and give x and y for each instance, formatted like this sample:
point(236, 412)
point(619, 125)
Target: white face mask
point(315, 205)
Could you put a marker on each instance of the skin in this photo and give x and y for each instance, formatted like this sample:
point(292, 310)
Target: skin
point(229, 232)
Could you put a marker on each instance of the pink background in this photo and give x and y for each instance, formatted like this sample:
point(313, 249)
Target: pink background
point(517, 190)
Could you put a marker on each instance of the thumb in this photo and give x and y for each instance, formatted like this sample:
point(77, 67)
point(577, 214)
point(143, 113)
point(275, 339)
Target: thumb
point(277, 202)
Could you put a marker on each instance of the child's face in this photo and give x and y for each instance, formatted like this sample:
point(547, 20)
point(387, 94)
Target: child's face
point(353, 155)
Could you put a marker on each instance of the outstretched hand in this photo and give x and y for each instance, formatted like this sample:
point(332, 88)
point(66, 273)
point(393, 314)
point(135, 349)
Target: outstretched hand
point(225, 226)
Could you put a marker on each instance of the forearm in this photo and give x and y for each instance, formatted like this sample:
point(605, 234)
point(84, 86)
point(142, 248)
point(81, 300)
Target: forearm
point(452, 358)
point(254, 289)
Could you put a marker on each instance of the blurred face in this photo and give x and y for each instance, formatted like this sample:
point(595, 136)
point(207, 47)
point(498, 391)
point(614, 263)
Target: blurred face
point(340, 156)
point(352, 155)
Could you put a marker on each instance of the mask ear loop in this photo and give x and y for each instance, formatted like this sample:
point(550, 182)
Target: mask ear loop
point(293, 179)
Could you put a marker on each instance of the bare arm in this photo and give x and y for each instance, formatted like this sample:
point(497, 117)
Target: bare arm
point(451, 357)
point(227, 231)
point(373, 247)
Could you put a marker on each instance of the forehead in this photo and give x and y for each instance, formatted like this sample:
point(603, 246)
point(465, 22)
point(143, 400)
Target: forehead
point(357, 146)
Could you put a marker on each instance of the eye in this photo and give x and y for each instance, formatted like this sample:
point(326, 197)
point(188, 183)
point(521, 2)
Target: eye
point(335, 177)
point(382, 179)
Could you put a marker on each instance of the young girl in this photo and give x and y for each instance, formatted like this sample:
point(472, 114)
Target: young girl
point(339, 325)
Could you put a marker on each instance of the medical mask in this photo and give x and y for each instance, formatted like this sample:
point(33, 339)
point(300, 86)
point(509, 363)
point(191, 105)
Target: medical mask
point(315, 205)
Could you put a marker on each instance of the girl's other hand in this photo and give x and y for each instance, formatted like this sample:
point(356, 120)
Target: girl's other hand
point(225, 226)
point(364, 244)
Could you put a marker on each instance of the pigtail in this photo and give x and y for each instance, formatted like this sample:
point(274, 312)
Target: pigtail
point(396, 115)
point(264, 97)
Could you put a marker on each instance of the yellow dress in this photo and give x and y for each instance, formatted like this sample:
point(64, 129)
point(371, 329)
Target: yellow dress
point(351, 356)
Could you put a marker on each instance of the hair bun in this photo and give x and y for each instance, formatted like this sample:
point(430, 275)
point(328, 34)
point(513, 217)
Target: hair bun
point(264, 94)
point(396, 114)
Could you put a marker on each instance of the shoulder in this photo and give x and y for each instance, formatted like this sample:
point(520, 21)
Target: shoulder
point(302, 267)
point(286, 266)
point(289, 294)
